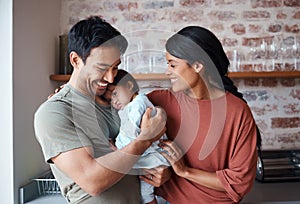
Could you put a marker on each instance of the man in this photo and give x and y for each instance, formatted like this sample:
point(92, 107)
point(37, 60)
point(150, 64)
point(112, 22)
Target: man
point(74, 126)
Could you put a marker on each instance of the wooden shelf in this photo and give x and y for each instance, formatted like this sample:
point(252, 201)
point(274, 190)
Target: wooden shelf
point(273, 74)
point(233, 75)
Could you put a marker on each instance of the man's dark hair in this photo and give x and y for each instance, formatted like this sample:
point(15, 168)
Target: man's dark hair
point(91, 33)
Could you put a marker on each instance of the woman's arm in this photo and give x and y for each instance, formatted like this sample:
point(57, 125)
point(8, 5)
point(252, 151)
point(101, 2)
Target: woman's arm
point(175, 156)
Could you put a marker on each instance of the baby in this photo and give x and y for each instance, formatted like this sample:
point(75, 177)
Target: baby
point(125, 97)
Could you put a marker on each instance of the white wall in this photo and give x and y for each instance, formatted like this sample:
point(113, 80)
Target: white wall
point(6, 145)
point(36, 27)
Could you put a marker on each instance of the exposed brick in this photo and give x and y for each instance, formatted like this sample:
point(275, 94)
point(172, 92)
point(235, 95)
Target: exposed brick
point(292, 108)
point(258, 67)
point(139, 17)
point(223, 15)
point(262, 125)
point(292, 29)
point(251, 82)
point(186, 15)
point(293, 122)
point(246, 67)
point(259, 95)
point(266, 3)
point(120, 6)
point(82, 7)
point(275, 28)
point(281, 15)
point(297, 15)
point(238, 29)
point(229, 42)
point(192, 3)
point(262, 110)
point(254, 28)
point(279, 67)
point(255, 15)
point(239, 24)
point(268, 140)
point(292, 138)
point(158, 4)
point(251, 41)
point(217, 27)
point(250, 96)
point(288, 82)
point(295, 93)
point(269, 82)
point(292, 3)
point(289, 66)
point(263, 95)
point(231, 2)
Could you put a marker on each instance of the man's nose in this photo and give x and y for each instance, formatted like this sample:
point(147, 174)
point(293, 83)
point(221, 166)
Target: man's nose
point(109, 76)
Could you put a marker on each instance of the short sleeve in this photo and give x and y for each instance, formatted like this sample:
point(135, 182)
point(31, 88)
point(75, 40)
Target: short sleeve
point(56, 132)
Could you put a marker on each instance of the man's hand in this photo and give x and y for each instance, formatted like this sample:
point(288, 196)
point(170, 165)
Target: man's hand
point(152, 128)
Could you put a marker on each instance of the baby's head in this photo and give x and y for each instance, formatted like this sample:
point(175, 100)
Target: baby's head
point(122, 90)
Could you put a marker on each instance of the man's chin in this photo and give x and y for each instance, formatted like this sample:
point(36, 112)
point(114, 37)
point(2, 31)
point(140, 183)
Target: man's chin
point(100, 92)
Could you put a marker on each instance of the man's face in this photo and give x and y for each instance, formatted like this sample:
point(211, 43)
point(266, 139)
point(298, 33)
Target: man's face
point(100, 69)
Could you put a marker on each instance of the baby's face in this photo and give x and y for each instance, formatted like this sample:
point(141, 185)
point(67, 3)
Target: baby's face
point(108, 92)
point(120, 97)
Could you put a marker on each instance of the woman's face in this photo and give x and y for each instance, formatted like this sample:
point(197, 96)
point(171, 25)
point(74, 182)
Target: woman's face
point(183, 76)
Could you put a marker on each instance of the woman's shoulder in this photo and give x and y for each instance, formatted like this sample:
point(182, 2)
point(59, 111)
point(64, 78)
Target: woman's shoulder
point(235, 103)
point(159, 92)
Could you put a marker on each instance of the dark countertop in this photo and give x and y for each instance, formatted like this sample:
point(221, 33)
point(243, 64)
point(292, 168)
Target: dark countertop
point(275, 192)
point(267, 193)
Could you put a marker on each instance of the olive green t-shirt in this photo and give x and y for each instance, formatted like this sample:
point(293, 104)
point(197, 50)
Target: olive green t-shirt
point(70, 120)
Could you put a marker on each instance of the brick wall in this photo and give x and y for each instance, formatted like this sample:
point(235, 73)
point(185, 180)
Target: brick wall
point(256, 35)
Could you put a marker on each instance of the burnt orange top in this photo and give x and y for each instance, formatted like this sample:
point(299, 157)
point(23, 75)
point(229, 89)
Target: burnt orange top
point(218, 136)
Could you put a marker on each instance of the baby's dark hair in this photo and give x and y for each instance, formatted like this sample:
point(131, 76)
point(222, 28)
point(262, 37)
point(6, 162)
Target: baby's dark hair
point(122, 78)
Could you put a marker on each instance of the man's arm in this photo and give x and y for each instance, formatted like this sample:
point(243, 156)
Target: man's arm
point(96, 175)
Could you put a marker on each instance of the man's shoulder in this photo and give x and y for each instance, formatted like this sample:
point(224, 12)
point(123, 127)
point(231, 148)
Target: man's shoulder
point(55, 104)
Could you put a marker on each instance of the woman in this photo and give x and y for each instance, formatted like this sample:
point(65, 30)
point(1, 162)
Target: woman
point(213, 136)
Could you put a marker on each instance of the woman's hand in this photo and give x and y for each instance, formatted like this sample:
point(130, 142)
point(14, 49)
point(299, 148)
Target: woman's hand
point(174, 155)
point(156, 176)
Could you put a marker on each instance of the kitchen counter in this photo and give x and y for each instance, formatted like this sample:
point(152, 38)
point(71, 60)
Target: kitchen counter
point(49, 199)
point(59, 199)
point(279, 192)
point(266, 193)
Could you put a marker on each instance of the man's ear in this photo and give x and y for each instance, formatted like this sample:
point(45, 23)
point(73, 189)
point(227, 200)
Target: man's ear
point(75, 60)
point(197, 67)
